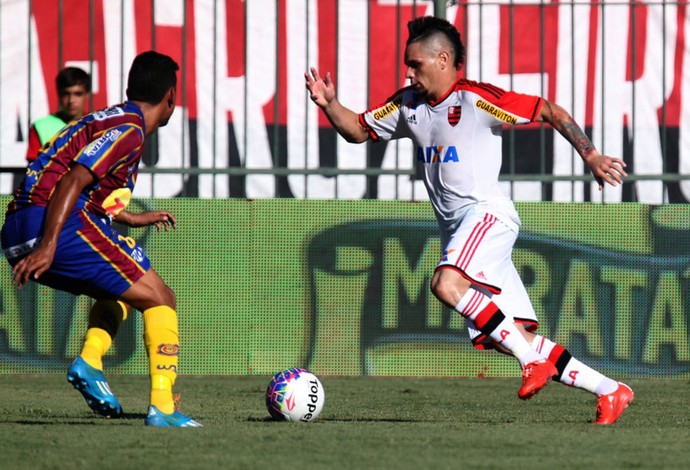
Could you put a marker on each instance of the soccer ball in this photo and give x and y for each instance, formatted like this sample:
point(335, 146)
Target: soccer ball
point(295, 395)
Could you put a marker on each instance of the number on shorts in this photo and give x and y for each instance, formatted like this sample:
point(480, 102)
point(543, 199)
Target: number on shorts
point(128, 240)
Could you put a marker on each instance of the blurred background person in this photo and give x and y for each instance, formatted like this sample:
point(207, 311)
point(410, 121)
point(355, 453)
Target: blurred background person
point(74, 91)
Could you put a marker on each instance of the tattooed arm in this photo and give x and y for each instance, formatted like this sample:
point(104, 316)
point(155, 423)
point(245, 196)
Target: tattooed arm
point(605, 169)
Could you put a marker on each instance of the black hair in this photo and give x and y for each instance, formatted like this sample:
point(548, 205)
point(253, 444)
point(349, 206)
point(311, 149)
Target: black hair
point(425, 27)
point(72, 76)
point(151, 76)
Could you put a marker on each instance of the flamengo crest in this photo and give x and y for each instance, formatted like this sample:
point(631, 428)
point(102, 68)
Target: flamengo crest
point(454, 113)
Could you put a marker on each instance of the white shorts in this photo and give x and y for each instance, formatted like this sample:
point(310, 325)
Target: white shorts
point(480, 249)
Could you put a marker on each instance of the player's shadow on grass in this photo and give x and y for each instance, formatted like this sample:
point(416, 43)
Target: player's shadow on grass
point(253, 419)
point(95, 420)
point(130, 416)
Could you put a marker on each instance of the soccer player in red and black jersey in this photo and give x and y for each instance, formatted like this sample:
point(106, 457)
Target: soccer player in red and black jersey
point(58, 231)
point(455, 126)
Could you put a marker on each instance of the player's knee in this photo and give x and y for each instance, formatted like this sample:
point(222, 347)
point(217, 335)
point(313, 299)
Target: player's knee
point(164, 296)
point(148, 292)
point(435, 286)
point(158, 292)
point(443, 292)
point(449, 287)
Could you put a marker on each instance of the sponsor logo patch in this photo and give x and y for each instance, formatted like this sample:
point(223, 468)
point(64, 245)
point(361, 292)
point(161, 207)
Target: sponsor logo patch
point(496, 112)
point(110, 136)
point(438, 154)
point(169, 349)
point(387, 109)
point(104, 114)
point(22, 249)
point(445, 255)
point(138, 254)
point(171, 367)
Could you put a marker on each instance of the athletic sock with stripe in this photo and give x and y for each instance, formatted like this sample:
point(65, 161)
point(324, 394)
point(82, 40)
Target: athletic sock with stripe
point(489, 319)
point(571, 371)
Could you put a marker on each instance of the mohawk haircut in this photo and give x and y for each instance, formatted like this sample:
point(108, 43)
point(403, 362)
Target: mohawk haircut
point(425, 27)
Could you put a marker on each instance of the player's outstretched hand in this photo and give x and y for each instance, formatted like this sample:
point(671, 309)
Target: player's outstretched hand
point(321, 90)
point(33, 265)
point(163, 220)
point(606, 169)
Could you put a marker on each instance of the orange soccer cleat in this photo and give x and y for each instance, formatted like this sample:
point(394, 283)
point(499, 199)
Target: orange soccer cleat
point(535, 376)
point(611, 406)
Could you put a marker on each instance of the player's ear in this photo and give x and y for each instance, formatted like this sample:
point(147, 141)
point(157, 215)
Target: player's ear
point(170, 97)
point(444, 59)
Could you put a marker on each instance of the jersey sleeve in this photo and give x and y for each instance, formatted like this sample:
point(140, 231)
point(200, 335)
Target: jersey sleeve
point(527, 107)
point(110, 148)
point(383, 122)
point(34, 145)
point(504, 107)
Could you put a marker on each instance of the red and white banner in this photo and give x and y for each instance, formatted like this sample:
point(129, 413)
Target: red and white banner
point(622, 69)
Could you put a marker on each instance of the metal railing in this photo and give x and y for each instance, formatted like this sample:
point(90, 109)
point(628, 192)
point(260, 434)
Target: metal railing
point(245, 127)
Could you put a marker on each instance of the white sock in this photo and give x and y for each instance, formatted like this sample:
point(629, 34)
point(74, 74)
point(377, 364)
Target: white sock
point(492, 322)
point(571, 371)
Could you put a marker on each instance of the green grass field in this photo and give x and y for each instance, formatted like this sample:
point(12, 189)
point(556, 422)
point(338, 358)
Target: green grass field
point(367, 422)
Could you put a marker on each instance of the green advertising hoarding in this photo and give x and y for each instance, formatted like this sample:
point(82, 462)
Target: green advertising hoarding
point(341, 287)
